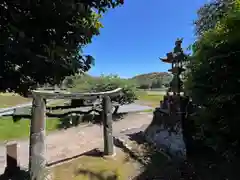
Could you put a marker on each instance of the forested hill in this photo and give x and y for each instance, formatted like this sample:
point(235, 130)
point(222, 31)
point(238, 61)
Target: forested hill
point(153, 80)
point(143, 81)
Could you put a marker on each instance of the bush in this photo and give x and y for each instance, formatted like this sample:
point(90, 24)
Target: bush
point(214, 83)
point(87, 83)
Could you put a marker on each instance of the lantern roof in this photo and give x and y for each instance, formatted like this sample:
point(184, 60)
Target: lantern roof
point(166, 60)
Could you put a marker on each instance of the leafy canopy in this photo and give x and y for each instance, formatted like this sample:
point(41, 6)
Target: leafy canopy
point(41, 40)
point(212, 12)
point(105, 83)
point(152, 80)
point(214, 80)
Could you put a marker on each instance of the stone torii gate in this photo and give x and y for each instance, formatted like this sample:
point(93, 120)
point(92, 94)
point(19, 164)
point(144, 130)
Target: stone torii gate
point(37, 148)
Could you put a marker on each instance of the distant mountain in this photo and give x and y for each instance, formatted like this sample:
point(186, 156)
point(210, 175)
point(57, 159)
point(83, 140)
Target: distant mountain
point(152, 75)
point(153, 80)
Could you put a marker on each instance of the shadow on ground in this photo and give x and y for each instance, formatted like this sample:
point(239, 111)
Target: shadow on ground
point(73, 118)
point(154, 165)
point(17, 175)
point(92, 153)
point(198, 166)
point(24, 175)
point(96, 176)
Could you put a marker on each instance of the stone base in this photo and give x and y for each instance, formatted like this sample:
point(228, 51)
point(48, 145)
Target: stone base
point(171, 144)
point(110, 156)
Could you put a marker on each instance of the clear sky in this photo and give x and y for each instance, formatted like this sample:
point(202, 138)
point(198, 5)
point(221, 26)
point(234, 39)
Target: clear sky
point(136, 34)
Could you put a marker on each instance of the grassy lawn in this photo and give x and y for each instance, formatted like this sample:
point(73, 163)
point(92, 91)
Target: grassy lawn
point(121, 167)
point(10, 130)
point(9, 99)
point(58, 102)
point(149, 99)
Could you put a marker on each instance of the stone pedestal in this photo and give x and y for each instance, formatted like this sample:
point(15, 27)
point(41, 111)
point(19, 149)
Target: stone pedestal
point(12, 159)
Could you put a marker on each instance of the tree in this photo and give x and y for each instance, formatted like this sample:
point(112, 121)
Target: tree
point(41, 41)
point(145, 85)
point(214, 82)
point(152, 80)
point(157, 83)
point(107, 83)
point(211, 13)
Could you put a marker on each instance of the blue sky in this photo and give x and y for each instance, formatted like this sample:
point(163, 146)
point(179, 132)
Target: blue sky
point(136, 34)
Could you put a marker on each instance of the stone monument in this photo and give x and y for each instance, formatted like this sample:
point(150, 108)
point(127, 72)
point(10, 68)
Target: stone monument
point(176, 59)
point(166, 127)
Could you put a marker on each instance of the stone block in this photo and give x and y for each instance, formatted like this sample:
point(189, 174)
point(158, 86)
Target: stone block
point(12, 163)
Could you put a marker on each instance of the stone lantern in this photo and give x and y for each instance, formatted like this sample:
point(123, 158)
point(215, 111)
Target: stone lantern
point(176, 59)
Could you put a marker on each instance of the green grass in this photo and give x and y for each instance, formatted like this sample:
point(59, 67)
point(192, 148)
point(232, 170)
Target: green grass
point(59, 102)
point(93, 168)
point(10, 130)
point(8, 100)
point(150, 99)
point(148, 110)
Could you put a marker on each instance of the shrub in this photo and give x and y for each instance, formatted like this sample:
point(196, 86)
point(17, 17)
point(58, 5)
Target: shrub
point(214, 83)
point(87, 83)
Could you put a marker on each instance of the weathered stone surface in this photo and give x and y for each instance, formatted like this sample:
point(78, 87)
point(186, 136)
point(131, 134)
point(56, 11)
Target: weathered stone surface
point(171, 143)
point(12, 159)
point(37, 148)
point(107, 126)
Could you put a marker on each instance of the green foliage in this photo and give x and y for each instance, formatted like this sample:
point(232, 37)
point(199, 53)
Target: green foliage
point(11, 130)
point(86, 83)
point(152, 80)
point(41, 41)
point(211, 13)
point(214, 81)
point(157, 83)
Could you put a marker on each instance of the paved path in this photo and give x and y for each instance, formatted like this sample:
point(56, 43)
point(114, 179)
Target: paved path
point(134, 107)
point(21, 108)
point(77, 140)
point(26, 110)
